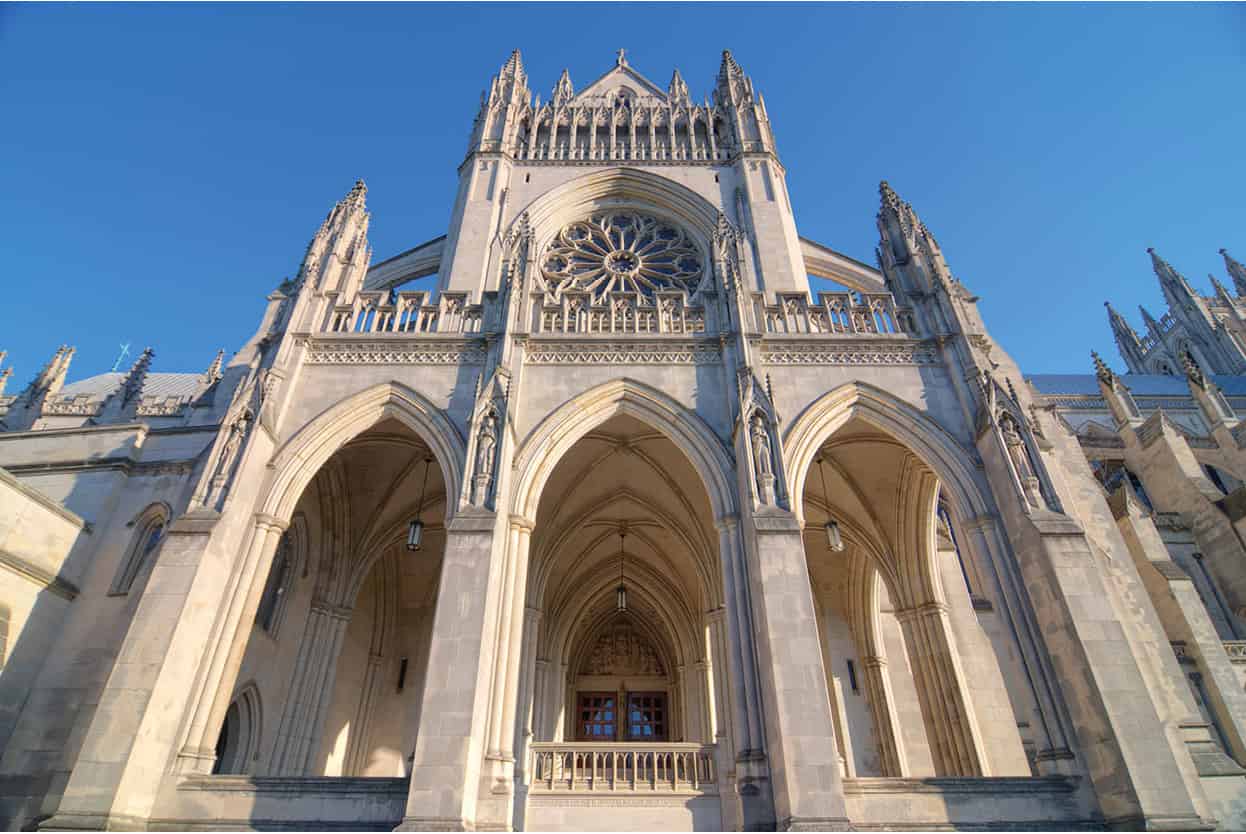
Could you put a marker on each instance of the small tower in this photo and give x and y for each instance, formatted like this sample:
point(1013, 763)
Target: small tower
point(507, 100)
point(1236, 271)
point(335, 263)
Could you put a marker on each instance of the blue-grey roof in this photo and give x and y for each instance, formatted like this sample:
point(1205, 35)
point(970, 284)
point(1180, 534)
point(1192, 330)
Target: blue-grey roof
point(100, 386)
point(1151, 385)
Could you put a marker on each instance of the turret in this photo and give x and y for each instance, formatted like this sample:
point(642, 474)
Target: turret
point(742, 107)
point(502, 107)
point(1127, 341)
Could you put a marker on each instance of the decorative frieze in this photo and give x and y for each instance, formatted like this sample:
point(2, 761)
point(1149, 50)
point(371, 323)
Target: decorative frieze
point(837, 352)
point(1236, 650)
point(623, 353)
point(405, 352)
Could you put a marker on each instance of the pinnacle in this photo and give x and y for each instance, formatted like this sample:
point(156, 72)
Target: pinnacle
point(729, 65)
point(513, 65)
point(1101, 368)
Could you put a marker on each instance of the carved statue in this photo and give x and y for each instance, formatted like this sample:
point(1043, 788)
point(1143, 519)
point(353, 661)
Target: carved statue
point(239, 427)
point(1020, 457)
point(763, 460)
point(486, 443)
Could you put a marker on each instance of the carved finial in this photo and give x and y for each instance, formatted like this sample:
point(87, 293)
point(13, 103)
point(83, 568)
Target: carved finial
point(358, 194)
point(1192, 371)
point(1102, 371)
point(620, 58)
point(563, 91)
point(213, 373)
point(513, 68)
point(678, 90)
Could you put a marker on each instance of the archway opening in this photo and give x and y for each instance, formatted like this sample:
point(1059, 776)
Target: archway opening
point(899, 633)
point(340, 642)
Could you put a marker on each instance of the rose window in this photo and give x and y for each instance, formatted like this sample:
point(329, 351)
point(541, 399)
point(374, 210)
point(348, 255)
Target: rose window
point(621, 252)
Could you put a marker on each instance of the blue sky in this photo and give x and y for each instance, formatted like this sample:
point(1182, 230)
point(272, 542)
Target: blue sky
point(162, 167)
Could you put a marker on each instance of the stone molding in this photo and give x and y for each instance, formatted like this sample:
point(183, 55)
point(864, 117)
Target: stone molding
point(997, 785)
point(37, 575)
point(835, 351)
point(409, 350)
point(564, 352)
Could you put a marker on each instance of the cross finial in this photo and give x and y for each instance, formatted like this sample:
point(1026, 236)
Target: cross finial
point(125, 351)
point(621, 58)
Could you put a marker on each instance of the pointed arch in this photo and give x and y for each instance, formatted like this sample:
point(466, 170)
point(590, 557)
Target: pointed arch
point(553, 437)
point(571, 200)
point(930, 442)
point(298, 460)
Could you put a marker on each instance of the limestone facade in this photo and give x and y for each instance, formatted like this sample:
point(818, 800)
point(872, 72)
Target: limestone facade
point(613, 523)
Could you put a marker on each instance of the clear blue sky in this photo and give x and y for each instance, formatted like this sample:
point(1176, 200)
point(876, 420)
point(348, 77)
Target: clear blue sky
point(162, 167)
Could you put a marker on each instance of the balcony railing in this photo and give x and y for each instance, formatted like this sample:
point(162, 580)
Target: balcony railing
point(620, 312)
point(405, 312)
point(836, 313)
point(638, 768)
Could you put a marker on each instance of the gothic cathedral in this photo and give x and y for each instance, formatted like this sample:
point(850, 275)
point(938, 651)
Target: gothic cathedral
point(623, 505)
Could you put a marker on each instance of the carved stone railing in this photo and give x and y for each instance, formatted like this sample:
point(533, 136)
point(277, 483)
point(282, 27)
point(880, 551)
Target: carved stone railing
point(622, 312)
point(1236, 650)
point(835, 313)
point(623, 767)
point(405, 312)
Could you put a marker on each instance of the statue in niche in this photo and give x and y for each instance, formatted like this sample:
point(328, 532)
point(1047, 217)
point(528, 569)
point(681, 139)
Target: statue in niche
point(1019, 455)
point(621, 651)
point(486, 444)
point(763, 460)
point(239, 427)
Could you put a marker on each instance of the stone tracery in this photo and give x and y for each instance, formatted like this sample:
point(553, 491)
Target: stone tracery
point(621, 252)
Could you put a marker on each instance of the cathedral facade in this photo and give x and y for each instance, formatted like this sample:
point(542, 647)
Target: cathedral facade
point(589, 514)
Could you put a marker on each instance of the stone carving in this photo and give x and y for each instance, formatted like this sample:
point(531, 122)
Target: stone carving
point(607, 353)
point(486, 445)
point(763, 457)
point(621, 651)
point(621, 252)
point(395, 353)
point(1019, 456)
point(841, 353)
point(226, 462)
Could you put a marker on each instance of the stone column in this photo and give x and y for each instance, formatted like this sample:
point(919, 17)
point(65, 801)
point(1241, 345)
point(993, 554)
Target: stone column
point(955, 740)
point(800, 737)
point(311, 687)
point(882, 704)
point(449, 750)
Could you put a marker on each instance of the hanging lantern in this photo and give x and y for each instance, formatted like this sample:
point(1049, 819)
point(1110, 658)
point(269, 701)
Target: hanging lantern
point(620, 595)
point(834, 541)
point(415, 530)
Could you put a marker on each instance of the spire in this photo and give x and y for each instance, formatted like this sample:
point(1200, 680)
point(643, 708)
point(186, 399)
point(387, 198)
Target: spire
point(1176, 289)
point(1221, 290)
point(1127, 341)
point(1236, 271)
point(358, 195)
point(132, 383)
point(1151, 324)
point(513, 70)
point(677, 92)
point(563, 91)
point(729, 69)
point(52, 376)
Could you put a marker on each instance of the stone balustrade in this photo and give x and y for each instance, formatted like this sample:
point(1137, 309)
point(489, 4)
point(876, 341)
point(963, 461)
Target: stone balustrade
point(405, 312)
point(835, 313)
point(621, 312)
point(621, 767)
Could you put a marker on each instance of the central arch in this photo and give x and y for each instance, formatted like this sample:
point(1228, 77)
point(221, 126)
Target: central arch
point(549, 441)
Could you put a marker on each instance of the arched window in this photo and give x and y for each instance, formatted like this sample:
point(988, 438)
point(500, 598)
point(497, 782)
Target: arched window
point(238, 743)
point(150, 524)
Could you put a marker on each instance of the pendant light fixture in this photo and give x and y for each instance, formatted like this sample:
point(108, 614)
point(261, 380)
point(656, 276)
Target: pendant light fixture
point(415, 530)
point(620, 597)
point(834, 541)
